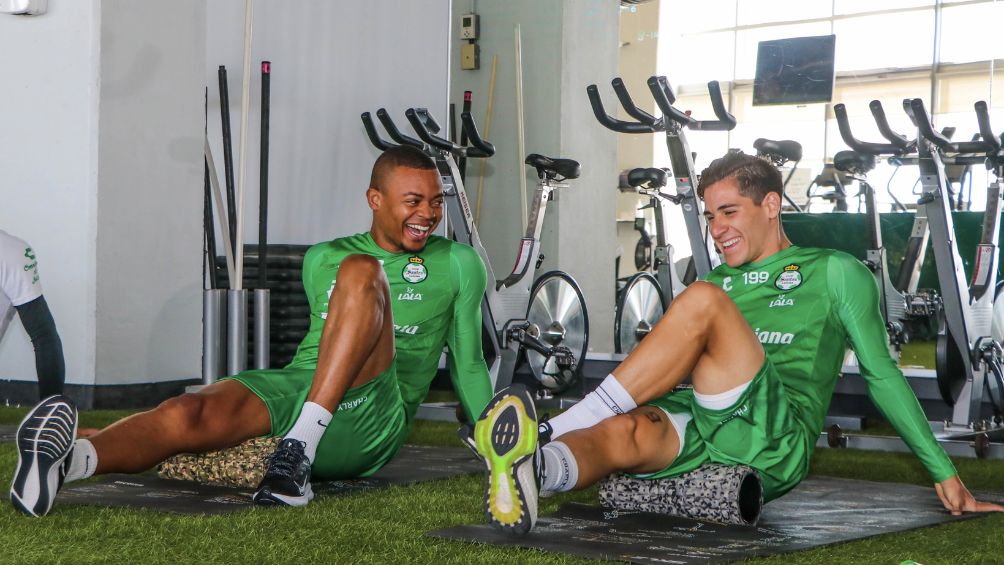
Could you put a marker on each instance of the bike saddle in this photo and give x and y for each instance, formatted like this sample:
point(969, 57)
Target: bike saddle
point(647, 177)
point(853, 162)
point(786, 148)
point(553, 168)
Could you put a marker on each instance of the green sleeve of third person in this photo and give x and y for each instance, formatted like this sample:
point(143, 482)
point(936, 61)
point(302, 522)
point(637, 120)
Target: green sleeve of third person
point(855, 294)
point(468, 370)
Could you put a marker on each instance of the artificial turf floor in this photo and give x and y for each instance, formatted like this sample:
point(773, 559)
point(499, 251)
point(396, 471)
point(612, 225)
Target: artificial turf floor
point(387, 526)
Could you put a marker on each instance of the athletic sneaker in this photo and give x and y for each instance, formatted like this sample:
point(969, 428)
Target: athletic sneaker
point(287, 477)
point(44, 440)
point(506, 440)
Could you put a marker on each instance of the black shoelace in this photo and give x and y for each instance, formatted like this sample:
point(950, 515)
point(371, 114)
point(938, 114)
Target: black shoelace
point(284, 460)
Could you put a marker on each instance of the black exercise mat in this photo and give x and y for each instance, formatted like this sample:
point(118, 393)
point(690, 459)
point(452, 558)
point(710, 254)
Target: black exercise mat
point(413, 464)
point(821, 511)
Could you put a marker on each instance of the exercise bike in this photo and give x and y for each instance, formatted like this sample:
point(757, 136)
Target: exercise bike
point(631, 324)
point(968, 358)
point(546, 320)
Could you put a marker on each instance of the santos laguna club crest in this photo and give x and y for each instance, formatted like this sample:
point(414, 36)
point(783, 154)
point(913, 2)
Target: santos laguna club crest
point(415, 271)
point(789, 278)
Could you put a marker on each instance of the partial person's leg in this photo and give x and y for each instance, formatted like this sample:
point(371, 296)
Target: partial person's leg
point(222, 415)
point(357, 343)
point(641, 441)
point(702, 335)
point(356, 346)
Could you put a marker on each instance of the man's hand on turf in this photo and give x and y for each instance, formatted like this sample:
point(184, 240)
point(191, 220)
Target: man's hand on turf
point(957, 499)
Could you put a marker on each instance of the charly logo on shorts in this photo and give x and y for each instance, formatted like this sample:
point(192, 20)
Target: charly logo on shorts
point(415, 271)
point(789, 278)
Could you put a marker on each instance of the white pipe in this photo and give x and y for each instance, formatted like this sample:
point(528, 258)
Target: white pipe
point(241, 180)
point(521, 154)
point(214, 182)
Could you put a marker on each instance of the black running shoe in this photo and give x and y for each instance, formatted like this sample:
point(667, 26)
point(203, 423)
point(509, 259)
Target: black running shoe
point(287, 477)
point(505, 437)
point(44, 440)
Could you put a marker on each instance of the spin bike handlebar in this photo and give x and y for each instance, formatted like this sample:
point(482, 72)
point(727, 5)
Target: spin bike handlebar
point(883, 126)
point(927, 131)
point(426, 127)
point(612, 123)
point(629, 106)
point(844, 124)
point(665, 98)
point(371, 132)
point(478, 148)
point(986, 132)
point(394, 132)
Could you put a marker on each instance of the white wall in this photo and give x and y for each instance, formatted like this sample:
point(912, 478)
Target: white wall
point(149, 222)
point(48, 171)
point(331, 61)
point(565, 46)
point(101, 122)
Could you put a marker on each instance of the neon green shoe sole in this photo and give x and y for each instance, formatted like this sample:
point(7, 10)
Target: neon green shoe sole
point(505, 437)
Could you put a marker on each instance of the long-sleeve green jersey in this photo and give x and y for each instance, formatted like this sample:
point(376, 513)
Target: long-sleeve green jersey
point(806, 305)
point(435, 299)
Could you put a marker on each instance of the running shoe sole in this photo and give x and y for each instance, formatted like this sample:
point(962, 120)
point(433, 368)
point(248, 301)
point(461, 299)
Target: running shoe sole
point(44, 439)
point(265, 497)
point(505, 437)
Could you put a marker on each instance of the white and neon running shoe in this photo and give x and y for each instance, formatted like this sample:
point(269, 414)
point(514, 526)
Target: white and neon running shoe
point(44, 440)
point(505, 437)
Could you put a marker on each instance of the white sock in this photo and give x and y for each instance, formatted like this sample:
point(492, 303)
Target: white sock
point(83, 461)
point(310, 427)
point(608, 400)
point(722, 400)
point(561, 470)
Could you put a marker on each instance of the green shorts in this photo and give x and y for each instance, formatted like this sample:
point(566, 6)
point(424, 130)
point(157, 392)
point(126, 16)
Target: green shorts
point(367, 428)
point(759, 430)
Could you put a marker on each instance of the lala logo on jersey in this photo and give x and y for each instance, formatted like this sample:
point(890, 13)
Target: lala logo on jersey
point(415, 271)
point(789, 278)
point(410, 294)
point(781, 301)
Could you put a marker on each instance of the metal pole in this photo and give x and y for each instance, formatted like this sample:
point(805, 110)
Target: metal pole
point(261, 294)
point(228, 158)
point(213, 314)
point(261, 328)
point(237, 330)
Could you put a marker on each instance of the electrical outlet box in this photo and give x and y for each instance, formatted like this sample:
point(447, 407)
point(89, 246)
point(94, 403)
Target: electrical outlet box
point(470, 57)
point(23, 7)
point(470, 26)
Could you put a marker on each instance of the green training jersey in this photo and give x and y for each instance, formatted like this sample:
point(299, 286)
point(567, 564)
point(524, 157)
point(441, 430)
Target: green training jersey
point(806, 305)
point(435, 300)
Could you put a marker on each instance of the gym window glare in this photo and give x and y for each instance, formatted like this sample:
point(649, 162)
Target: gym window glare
point(948, 53)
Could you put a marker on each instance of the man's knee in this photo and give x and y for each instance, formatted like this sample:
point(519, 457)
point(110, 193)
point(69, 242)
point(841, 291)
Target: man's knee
point(360, 273)
point(187, 412)
point(640, 438)
point(702, 294)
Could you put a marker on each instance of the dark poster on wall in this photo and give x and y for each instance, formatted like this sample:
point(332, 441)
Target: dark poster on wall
point(797, 70)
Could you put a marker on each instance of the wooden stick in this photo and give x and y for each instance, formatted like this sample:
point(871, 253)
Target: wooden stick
point(487, 135)
point(238, 282)
point(521, 138)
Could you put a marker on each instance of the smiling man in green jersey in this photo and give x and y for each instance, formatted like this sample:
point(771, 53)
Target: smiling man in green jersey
point(382, 306)
point(763, 340)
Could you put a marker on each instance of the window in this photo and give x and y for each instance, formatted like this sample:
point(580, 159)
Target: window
point(885, 51)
